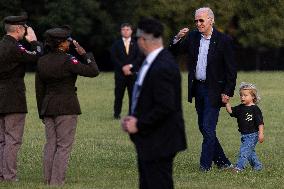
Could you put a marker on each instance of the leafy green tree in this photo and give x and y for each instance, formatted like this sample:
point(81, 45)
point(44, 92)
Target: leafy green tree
point(253, 24)
point(176, 14)
point(9, 8)
point(261, 23)
point(89, 23)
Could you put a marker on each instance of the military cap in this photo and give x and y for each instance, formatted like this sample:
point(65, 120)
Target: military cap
point(16, 20)
point(63, 33)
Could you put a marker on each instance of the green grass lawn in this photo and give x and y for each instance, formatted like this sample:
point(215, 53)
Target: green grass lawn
point(103, 156)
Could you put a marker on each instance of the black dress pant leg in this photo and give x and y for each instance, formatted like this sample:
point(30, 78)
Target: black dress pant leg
point(156, 174)
point(120, 85)
point(130, 84)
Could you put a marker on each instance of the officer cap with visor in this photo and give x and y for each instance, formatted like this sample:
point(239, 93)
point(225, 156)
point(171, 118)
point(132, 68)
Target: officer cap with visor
point(16, 20)
point(59, 33)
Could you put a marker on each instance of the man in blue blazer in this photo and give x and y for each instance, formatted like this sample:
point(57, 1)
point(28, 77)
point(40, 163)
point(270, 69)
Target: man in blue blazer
point(211, 80)
point(156, 124)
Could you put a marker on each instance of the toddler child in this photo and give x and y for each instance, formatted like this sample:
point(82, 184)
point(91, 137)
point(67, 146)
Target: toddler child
point(251, 126)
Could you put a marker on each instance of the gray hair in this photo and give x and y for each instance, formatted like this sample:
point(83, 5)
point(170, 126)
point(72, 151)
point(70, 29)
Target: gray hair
point(10, 28)
point(253, 90)
point(205, 9)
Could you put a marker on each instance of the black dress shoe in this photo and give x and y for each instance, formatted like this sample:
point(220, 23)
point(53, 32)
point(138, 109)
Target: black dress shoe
point(225, 166)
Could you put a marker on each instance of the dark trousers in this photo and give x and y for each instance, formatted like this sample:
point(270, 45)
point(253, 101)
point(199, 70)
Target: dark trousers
point(156, 174)
point(11, 134)
point(60, 134)
point(207, 121)
point(121, 83)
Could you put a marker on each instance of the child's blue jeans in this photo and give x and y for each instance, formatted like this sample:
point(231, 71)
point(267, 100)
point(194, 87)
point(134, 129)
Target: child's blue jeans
point(247, 152)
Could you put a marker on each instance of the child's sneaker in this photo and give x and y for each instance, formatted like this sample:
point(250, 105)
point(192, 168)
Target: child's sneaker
point(236, 170)
point(258, 168)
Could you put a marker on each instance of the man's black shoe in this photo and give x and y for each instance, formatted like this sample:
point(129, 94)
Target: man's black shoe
point(226, 166)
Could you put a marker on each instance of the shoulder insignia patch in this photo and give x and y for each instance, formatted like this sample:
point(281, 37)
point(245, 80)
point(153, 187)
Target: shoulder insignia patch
point(74, 60)
point(31, 52)
point(22, 49)
point(38, 49)
point(89, 60)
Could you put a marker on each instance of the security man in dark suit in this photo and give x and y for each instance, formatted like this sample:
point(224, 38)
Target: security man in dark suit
point(156, 124)
point(211, 80)
point(127, 59)
point(13, 107)
point(57, 100)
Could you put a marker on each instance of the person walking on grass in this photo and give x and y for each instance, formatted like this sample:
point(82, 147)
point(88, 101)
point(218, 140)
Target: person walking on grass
point(251, 126)
point(211, 80)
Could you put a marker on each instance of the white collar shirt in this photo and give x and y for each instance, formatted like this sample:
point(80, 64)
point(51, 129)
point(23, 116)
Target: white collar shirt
point(201, 65)
point(145, 67)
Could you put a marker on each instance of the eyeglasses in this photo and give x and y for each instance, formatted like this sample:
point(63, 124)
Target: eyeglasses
point(199, 20)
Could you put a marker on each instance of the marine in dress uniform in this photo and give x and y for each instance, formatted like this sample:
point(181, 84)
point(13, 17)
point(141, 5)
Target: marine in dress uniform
point(13, 107)
point(57, 100)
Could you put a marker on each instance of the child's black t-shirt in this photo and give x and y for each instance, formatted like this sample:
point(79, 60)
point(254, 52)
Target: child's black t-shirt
point(248, 117)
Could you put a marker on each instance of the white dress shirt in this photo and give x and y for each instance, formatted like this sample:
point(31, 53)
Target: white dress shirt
point(201, 65)
point(145, 67)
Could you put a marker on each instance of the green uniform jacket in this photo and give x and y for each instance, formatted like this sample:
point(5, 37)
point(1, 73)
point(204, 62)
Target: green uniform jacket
point(55, 82)
point(13, 59)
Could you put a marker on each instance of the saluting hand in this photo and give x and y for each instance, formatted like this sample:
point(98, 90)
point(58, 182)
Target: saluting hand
point(30, 35)
point(80, 50)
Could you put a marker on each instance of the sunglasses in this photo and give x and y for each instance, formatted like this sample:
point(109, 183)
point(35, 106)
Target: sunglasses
point(199, 20)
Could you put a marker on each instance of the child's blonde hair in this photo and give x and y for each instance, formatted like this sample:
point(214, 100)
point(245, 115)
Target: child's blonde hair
point(253, 90)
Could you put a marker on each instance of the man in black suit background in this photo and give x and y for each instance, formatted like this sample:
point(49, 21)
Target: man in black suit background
point(126, 58)
point(156, 124)
point(211, 80)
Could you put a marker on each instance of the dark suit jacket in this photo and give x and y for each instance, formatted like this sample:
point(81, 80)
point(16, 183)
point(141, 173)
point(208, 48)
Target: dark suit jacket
point(160, 123)
point(120, 58)
point(221, 72)
point(55, 82)
point(13, 60)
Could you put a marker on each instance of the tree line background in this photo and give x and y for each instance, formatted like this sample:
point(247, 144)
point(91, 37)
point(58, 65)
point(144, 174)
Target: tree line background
point(257, 27)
